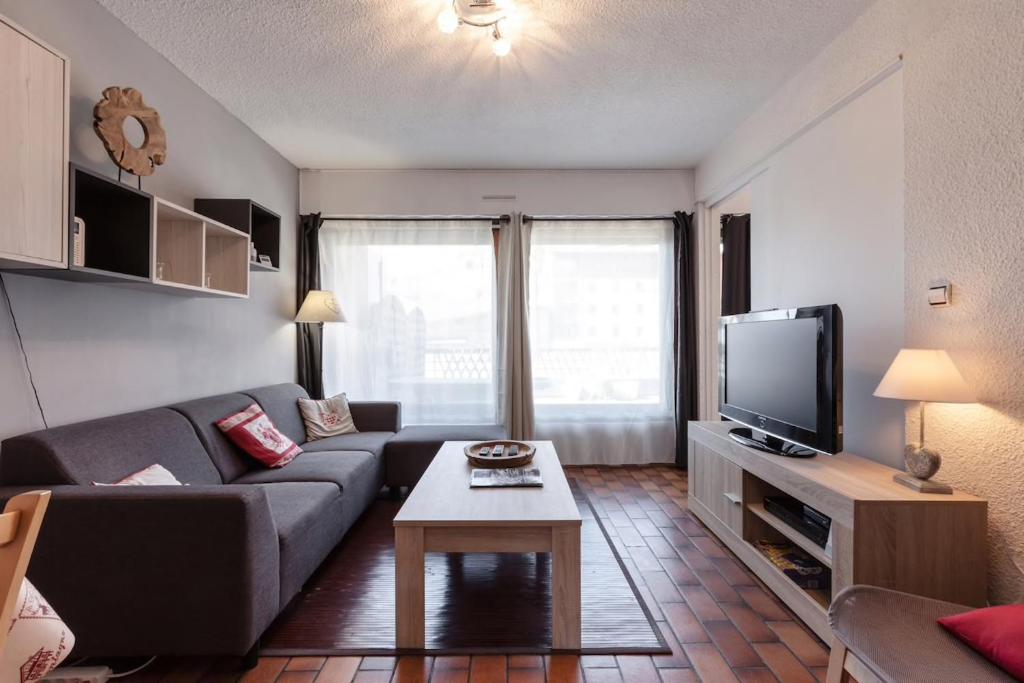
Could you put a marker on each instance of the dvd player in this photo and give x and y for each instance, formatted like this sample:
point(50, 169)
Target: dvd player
point(805, 519)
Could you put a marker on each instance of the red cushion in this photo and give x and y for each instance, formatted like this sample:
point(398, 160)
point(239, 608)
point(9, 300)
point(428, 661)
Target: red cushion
point(253, 432)
point(996, 633)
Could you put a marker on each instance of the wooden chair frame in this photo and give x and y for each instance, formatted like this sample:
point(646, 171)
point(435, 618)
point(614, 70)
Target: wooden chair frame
point(19, 529)
point(844, 666)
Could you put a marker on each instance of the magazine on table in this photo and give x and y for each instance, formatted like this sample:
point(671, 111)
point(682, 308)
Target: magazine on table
point(503, 477)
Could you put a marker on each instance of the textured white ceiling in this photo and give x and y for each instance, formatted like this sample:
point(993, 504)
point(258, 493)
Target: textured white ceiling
point(590, 83)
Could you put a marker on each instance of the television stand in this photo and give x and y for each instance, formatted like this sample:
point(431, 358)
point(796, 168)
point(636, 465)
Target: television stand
point(751, 438)
point(883, 534)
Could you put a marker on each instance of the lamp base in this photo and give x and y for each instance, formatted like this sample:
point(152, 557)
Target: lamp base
point(921, 485)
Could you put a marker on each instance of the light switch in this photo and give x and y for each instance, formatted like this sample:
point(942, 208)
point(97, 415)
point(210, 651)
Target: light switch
point(940, 293)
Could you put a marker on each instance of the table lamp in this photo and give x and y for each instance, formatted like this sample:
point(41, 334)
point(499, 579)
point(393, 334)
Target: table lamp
point(924, 375)
point(320, 306)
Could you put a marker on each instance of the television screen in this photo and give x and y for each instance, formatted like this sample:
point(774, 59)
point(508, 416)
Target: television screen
point(771, 369)
point(781, 375)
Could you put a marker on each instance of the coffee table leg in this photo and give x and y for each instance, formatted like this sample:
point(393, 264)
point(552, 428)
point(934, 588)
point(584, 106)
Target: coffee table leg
point(409, 588)
point(565, 587)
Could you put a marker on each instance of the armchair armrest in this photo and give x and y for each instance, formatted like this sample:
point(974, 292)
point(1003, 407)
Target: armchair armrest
point(159, 570)
point(376, 416)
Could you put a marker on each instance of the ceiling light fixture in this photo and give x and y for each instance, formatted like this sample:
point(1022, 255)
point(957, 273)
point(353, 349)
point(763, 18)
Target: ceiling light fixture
point(494, 15)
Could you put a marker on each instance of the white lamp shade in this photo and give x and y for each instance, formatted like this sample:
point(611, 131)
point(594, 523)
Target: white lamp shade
point(925, 375)
point(320, 307)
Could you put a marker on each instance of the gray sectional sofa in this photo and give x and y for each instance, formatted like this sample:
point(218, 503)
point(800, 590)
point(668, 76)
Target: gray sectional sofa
point(201, 569)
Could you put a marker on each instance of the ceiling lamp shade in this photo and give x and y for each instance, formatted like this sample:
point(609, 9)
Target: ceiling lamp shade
point(925, 375)
point(320, 307)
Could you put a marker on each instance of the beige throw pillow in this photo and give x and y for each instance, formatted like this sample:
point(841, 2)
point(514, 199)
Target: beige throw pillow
point(329, 417)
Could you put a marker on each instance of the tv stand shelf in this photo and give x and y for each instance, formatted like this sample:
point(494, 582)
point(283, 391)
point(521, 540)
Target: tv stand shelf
point(883, 534)
point(791, 533)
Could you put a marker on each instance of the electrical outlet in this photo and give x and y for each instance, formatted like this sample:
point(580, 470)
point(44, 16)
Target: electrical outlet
point(78, 674)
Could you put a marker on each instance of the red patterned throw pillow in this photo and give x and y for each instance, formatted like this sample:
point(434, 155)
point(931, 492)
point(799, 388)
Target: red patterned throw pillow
point(996, 633)
point(253, 432)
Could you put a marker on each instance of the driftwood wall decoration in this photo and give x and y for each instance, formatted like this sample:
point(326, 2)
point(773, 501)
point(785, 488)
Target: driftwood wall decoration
point(109, 115)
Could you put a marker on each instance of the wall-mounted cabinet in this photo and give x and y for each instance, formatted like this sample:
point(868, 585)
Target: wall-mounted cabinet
point(262, 225)
point(34, 151)
point(117, 234)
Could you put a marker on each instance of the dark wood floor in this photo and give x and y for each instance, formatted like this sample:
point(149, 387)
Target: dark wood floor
point(722, 624)
point(478, 603)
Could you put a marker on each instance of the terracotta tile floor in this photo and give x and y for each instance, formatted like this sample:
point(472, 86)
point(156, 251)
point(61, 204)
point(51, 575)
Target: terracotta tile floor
point(722, 624)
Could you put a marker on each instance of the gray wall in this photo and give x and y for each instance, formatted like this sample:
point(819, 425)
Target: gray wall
point(98, 350)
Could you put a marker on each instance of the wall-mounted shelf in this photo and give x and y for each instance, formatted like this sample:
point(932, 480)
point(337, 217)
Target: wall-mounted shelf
point(129, 232)
point(118, 230)
point(261, 224)
point(191, 249)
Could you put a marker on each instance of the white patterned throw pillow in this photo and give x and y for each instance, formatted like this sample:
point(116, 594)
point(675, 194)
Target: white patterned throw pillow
point(329, 417)
point(38, 639)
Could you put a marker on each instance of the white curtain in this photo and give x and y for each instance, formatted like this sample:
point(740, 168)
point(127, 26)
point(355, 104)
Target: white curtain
point(419, 297)
point(600, 311)
point(515, 374)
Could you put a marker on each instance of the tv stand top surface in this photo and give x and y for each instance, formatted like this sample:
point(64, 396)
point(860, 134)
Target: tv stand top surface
point(842, 479)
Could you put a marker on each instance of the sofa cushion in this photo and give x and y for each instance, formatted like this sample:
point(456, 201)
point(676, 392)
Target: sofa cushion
point(326, 417)
point(336, 468)
point(253, 432)
point(154, 475)
point(372, 442)
point(408, 454)
point(308, 517)
point(281, 404)
point(204, 413)
point(108, 449)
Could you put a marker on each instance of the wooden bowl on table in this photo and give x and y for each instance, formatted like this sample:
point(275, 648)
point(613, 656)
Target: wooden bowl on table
point(523, 457)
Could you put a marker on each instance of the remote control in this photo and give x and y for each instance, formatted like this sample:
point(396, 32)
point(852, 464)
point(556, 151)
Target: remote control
point(499, 451)
point(513, 451)
point(485, 451)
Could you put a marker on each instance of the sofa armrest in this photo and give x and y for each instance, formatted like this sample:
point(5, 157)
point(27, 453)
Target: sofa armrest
point(159, 570)
point(376, 416)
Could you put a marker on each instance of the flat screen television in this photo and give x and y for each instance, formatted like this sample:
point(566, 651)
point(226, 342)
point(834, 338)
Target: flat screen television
point(781, 375)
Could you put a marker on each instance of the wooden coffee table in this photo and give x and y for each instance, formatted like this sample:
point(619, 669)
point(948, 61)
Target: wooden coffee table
point(443, 514)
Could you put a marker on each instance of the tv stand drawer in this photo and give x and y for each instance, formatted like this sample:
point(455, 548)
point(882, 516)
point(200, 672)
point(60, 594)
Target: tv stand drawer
point(717, 483)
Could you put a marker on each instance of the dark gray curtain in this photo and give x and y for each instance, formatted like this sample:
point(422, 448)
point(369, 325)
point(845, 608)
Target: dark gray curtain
point(685, 330)
point(735, 264)
point(310, 335)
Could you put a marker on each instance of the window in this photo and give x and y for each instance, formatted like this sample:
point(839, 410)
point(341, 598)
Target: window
point(601, 319)
point(419, 297)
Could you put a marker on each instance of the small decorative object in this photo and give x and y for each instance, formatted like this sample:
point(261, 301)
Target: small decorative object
point(320, 306)
point(924, 375)
point(159, 270)
point(265, 260)
point(499, 454)
point(208, 280)
point(253, 256)
point(78, 243)
point(109, 116)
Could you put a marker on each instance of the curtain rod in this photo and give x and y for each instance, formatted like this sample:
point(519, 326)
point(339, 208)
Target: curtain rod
point(503, 217)
point(600, 218)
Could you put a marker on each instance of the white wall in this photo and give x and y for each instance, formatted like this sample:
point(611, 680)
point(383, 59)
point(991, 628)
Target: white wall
point(963, 82)
point(827, 227)
point(336, 193)
point(99, 350)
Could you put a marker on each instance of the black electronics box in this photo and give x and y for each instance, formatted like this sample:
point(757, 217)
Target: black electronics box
point(803, 518)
